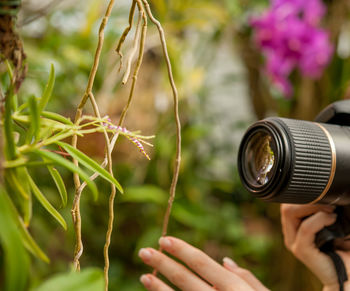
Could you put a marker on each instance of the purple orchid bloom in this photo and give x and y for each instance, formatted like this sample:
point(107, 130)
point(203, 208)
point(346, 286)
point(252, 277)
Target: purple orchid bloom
point(289, 36)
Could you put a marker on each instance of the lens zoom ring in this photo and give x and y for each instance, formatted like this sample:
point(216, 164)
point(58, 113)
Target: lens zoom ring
point(312, 162)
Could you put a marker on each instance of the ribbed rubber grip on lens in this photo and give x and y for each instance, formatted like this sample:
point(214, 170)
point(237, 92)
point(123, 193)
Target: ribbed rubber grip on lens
point(312, 162)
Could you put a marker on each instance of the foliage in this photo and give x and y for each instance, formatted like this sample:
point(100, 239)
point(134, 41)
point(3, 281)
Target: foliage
point(211, 211)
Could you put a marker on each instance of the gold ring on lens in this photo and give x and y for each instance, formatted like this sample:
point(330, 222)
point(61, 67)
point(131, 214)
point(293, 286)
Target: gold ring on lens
point(333, 166)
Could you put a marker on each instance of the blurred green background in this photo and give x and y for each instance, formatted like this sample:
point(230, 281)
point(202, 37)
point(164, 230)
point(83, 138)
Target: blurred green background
point(218, 71)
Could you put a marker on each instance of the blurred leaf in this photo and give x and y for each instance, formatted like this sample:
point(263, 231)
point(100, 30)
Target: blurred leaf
point(90, 279)
point(56, 117)
point(15, 163)
point(21, 192)
point(193, 216)
point(10, 145)
point(11, 176)
point(145, 193)
point(48, 90)
point(45, 203)
point(33, 131)
point(70, 166)
point(26, 238)
point(59, 184)
point(149, 238)
point(26, 204)
point(16, 258)
point(90, 164)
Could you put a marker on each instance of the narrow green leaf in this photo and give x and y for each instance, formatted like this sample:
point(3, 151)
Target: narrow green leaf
point(15, 184)
point(10, 145)
point(48, 90)
point(59, 184)
point(45, 203)
point(15, 163)
point(26, 204)
point(90, 279)
point(59, 136)
point(16, 259)
point(33, 131)
point(70, 166)
point(9, 69)
point(30, 243)
point(22, 107)
point(21, 192)
point(56, 117)
point(90, 163)
point(145, 193)
point(26, 238)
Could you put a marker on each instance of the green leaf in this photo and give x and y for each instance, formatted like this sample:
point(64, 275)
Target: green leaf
point(16, 263)
point(45, 203)
point(90, 279)
point(26, 204)
point(10, 145)
point(56, 117)
point(11, 176)
point(18, 184)
point(90, 163)
point(59, 184)
point(145, 193)
point(26, 238)
point(15, 163)
point(30, 243)
point(9, 69)
point(34, 120)
point(48, 90)
point(70, 166)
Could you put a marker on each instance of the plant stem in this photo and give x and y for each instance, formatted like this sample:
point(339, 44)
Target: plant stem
point(121, 120)
point(177, 119)
point(76, 216)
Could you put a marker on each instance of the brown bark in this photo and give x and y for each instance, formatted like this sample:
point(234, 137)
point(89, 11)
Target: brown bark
point(11, 47)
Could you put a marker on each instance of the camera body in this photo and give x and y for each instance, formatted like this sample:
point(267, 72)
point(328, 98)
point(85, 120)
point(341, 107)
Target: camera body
point(294, 161)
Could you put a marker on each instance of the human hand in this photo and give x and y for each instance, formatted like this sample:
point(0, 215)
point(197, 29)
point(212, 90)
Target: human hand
point(201, 273)
point(300, 224)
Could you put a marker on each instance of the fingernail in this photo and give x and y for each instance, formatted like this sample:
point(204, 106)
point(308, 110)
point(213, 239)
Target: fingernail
point(228, 263)
point(145, 254)
point(146, 281)
point(165, 242)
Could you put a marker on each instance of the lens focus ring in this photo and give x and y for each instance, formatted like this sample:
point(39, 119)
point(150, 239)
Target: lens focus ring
point(312, 162)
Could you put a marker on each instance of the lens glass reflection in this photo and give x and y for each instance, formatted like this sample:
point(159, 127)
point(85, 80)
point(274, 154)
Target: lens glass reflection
point(259, 158)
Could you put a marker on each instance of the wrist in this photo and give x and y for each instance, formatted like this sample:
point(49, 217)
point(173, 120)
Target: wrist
point(335, 287)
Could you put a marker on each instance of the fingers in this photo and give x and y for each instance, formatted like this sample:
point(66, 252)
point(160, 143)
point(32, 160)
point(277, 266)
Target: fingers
point(203, 265)
point(175, 272)
point(291, 218)
point(304, 240)
point(152, 283)
point(246, 275)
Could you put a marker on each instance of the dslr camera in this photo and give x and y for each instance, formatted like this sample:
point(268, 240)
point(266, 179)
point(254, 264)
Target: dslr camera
point(295, 161)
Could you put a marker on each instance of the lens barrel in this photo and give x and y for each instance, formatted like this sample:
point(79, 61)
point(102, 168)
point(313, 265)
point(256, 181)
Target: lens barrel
point(294, 161)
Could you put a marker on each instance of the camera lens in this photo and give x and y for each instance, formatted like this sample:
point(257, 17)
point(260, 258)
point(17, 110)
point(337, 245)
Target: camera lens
point(295, 161)
point(259, 158)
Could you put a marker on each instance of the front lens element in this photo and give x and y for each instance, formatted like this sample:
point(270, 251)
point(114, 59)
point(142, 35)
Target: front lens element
point(259, 158)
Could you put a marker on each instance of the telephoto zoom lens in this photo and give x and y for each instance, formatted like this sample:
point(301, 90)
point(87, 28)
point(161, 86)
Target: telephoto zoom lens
point(295, 161)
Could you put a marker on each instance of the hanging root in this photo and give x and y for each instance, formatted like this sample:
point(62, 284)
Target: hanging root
point(121, 121)
point(139, 40)
point(133, 50)
point(88, 94)
point(125, 33)
point(177, 120)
